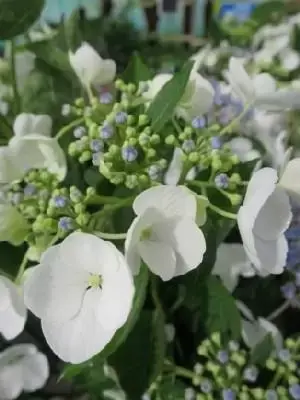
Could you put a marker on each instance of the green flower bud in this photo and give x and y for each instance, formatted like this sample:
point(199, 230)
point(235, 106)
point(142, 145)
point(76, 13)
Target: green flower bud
point(125, 104)
point(143, 120)
point(130, 132)
point(117, 178)
point(231, 370)
point(201, 396)
point(147, 130)
point(116, 108)
point(293, 379)
point(216, 338)
point(79, 102)
point(82, 219)
point(110, 118)
point(119, 84)
point(258, 393)
point(235, 198)
point(163, 163)
point(130, 120)
point(182, 136)
point(271, 364)
point(79, 208)
point(131, 88)
point(198, 369)
point(75, 194)
point(72, 149)
point(50, 224)
point(292, 366)
point(282, 391)
point(155, 139)
point(282, 369)
point(85, 156)
point(239, 359)
point(170, 140)
point(215, 128)
point(244, 396)
point(188, 131)
point(213, 367)
point(132, 141)
point(221, 381)
point(90, 192)
point(235, 178)
point(290, 343)
point(51, 211)
point(194, 157)
point(234, 159)
point(216, 163)
point(131, 181)
point(94, 102)
point(144, 139)
point(196, 380)
point(151, 153)
point(30, 211)
point(143, 179)
point(93, 131)
point(113, 150)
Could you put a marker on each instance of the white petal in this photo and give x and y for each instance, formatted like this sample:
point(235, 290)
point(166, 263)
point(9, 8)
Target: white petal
point(268, 327)
point(35, 372)
point(13, 317)
point(280, 100)
point(159, 257)
point(22, 124)
point(186, 239)
point(4, 296)
point(156, 84)
point(252, 333)
point(262, 184)
point(11, 382)
point(29, 123)
point(116, 296)
point(169, 200)
point(290, 59)
point(272, 255)
point(38, 151)
point(8, 169)
point(264, 84)
point(87, 252)
point(175, 168)
point(290, 178)
point(133, 258)
point(78, 339)
point(48, 284)
point(240, 81)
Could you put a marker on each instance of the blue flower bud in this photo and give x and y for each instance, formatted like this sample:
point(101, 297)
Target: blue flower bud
point(60, 201)
point(106, 132)
point(29, 190)
point(284, 355)
point(106, 98)
point(198, 122)
point(294, 391)
point(216, 142)
point(121, 117)
point(222, 181)
point(79, 132)
point(129, 153)
point(223, 356)
point(96, 145)
point(206, 386)
point(250, 374)
point(66, 223)
point(288, 290)
point(228, 394)
point(271, 395)
point(188, 145)
point(144, 139)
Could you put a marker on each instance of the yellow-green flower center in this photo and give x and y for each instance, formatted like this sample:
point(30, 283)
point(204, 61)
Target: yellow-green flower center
point(146, 234)
point(95, 281)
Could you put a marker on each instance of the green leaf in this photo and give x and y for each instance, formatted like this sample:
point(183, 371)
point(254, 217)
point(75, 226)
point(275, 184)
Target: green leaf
point(171, 389)
point(219, 310)
point(261, 352)
point(73, 30)
point(141, 283)
point(136, 70)
point(16, 16)
point(70, 371)
point(162, 107)
point(140, 359)
point(5, 129)
point(268, 11)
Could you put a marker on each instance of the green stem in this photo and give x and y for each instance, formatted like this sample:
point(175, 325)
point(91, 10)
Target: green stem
point(275, 380)
point(67, 128)
point(176, 126)
point(200, 184)
point(17, 99)
point(21, 269)
point(221, 212)
point(98, 199)
point(236, 120)
point(180, 371)
point(89, 93)
point(279, 311)
point(111, 236)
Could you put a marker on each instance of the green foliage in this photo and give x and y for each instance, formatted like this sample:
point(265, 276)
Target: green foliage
point(140, 359)
point(162, 107)
point(261, 352)
point(16, 16)
point(136, 70)
point(267, 11)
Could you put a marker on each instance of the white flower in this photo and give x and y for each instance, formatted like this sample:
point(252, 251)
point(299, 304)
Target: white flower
point(261, 90)
point(231, 263)
point(22, 368)
point(13, 226)
point(13, 312)
point(27, 124)
point(90, 68)
point(196, 100)
point(82, 291)
point(290, 177)
point(290, 59)
point(164, 234)
point(243, 148)
point(262, 219)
